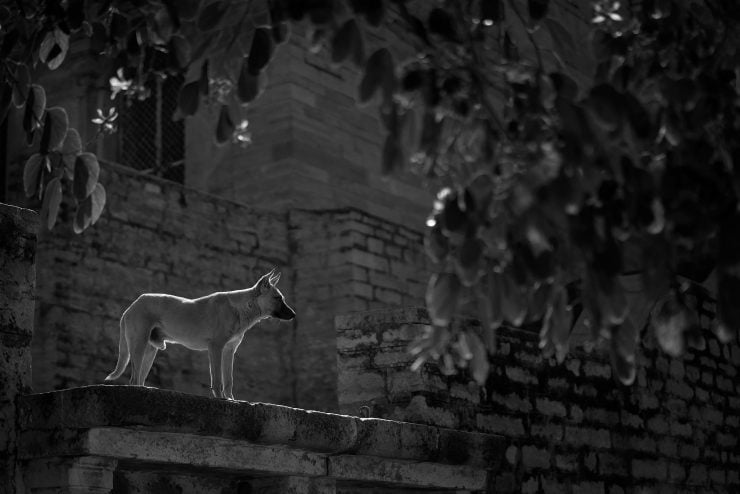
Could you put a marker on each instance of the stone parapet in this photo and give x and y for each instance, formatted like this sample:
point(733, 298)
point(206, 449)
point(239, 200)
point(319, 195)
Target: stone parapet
point(142, 426)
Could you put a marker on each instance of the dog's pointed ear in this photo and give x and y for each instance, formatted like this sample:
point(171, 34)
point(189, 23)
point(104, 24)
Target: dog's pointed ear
point(264, 282)
point(274, 279)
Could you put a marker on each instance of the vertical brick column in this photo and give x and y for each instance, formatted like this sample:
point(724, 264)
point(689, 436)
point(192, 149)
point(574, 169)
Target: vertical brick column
point(17, 287)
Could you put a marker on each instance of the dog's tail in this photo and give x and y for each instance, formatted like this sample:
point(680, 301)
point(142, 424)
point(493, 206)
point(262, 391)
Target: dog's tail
point(123, 354)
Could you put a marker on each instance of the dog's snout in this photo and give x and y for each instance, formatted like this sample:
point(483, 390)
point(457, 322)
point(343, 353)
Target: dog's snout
point(285, 313)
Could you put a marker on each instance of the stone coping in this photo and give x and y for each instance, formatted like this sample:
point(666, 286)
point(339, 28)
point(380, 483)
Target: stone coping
point(164, 411)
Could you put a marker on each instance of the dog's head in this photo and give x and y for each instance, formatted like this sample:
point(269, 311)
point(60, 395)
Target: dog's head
point(270, 300)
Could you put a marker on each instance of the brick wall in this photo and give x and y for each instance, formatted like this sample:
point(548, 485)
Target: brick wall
point(17, 276)
point(344, 261)
point(156, 236)
point(570, 427)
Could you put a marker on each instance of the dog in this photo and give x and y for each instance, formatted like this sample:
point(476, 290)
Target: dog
point(215, 323)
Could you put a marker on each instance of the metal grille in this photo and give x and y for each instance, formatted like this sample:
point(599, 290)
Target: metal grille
point(149, 140)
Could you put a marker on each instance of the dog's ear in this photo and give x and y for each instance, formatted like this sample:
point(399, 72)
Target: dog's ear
point(274, 279)
point(264, 283)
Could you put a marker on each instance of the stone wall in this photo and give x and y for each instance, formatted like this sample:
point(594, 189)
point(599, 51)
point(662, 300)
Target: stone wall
point(156, 236)
point(17, 276)
point(344, 261)
point(570, 427)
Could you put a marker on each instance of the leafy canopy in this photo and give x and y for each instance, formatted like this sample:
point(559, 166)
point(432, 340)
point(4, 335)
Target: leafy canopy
point(603, 203)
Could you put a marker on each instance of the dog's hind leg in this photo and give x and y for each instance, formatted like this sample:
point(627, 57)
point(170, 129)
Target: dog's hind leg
point(150, 351)
point(138, 345)
point(215, 355)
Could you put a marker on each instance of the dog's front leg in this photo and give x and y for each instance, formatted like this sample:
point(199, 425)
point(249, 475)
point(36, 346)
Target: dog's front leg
point(215, 354)
point(227, 368)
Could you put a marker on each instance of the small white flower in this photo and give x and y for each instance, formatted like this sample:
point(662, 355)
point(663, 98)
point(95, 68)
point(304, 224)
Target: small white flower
point(118, 83)
point(106, 122)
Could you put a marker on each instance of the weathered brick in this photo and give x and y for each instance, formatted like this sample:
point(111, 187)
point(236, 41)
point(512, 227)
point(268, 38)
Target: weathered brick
point(667, 446)
point(595, 369)
point(551, 432)
point(588, 488)
point(586, 436)
point(688, 451)
point(680, 388)
point(500, 424)
point(549, 407)
point(697, 474)
point(676, 472)
point(611, 464)
point(717, 476)
point(533, 457)
point(680, 429)
point(650, 469)
point(520, 375)
point(566, 462)
point(658, 424)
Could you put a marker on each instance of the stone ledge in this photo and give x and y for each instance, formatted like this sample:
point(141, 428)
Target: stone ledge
point(164, 411)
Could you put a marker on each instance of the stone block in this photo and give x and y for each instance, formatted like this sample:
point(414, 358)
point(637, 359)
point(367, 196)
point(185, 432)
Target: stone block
point(412, 474)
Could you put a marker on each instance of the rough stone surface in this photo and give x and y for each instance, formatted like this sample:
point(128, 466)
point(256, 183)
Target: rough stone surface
point(169, 412)
point(17, 278)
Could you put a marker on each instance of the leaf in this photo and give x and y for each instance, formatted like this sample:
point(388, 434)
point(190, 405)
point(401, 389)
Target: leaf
point(564, 86)
point(21, 86)
point(607, 105)
point(479, 365)
point(492, 11)
point(378, 73)
point(555, 331)
point(440, 22)
point(469, 261)
point(56, 124)
point(203, 81)
point(392, 154)
point(562, 40)
point(601, 45)
point(669, 320)
point(187, 9)
point(280, 32)
point(442, 297)
point(163, 26)
point(537, 9)
point(181, 48)
point(52, 201)
point(54, 48)
point(346, 41)
point(513, 299)
point(372, 10)
point(118, 26)
point(98, 39)
point(225, 126)
point(6, 98)
point(71, 147)
point(261, 51)
point(211, 15)
point(87, 170)
point(35, 105)
point(436, 243)
point(624, 339)
point(97, 202)
point(249, 86)
point(83, 216)
point(189, 98)
point(32, 173)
